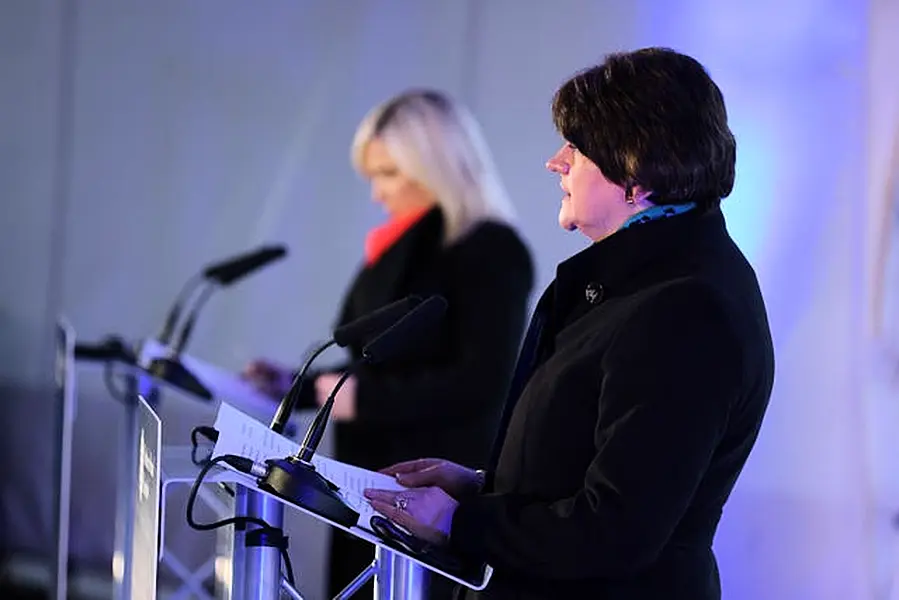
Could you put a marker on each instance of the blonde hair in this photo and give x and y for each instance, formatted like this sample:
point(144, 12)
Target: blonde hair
point(439, 143)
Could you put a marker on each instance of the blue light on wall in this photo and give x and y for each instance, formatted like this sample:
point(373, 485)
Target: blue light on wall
point(748, 208)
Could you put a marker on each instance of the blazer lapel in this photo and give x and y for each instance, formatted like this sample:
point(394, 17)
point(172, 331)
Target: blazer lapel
point(387, 280)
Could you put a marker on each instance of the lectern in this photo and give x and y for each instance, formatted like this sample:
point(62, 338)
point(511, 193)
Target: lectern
point(256, 565)
point(140, 400)
point(398, 571)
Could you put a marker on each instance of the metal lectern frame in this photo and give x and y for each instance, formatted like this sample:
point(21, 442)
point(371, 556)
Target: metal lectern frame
point(397, 575)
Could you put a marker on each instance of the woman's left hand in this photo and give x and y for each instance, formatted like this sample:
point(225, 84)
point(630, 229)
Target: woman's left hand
point(426, 512)
point(344, 408)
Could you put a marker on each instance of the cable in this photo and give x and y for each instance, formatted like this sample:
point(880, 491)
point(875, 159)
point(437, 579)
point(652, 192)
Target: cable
point(211, 434)
point(244, 465)
point(109, 379)
point(288, 566)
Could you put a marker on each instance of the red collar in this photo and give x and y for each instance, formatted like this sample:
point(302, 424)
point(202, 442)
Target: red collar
point(381, 238)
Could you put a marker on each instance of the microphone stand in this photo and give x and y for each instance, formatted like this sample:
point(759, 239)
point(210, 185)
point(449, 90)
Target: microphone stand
point(360, 331)
point(256, 571)
point(170, 368)
point(171, 319)
point(295, 478)
point(222, 274)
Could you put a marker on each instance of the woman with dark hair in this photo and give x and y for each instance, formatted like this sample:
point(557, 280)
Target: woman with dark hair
point(449, 231)
point(645, 373)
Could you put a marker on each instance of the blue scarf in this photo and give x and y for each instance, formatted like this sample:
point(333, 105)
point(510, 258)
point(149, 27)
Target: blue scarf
point(659, 211)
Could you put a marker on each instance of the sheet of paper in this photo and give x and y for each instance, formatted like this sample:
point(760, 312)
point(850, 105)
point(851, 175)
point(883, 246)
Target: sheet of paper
point(241, 435)
point(352, 481)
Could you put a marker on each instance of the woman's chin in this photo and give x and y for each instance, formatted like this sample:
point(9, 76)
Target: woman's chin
point(566, 222)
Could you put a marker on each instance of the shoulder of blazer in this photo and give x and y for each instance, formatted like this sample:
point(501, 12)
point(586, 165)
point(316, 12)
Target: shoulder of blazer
point(494, 243)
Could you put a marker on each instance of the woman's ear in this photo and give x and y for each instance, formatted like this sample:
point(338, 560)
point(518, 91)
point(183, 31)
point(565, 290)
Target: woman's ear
point(637, 196)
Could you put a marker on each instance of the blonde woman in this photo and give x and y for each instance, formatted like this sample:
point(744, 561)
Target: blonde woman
point(447, 232)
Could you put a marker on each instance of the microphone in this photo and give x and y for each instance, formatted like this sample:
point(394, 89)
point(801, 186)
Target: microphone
point(295, 477)
point(407, 333)
point(221, 274)
point(359, 331)
point(227, 272)
point(363, 329)
point(397, 340)
point(112, 348)
point(170, 368)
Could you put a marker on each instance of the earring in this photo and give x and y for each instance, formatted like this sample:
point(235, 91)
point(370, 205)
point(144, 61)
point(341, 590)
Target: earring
point(629, 196)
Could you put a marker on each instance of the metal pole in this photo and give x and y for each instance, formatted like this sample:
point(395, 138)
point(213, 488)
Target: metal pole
point(233, 589)
point(360, 580)
point(223, 569)
point(126, 486)
point(66, 410)
point(397, 577)
point(290, 590)
point(262, 557)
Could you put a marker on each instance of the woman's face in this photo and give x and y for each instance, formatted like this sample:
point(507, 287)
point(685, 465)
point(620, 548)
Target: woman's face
point(591, 203)
point(390, 187)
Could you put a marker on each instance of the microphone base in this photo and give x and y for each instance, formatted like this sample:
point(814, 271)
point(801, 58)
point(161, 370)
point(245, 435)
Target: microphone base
point(174, 373)
point(298, 482)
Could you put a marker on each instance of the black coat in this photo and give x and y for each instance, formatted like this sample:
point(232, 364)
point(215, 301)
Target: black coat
point(639, 392)
point(446, 399)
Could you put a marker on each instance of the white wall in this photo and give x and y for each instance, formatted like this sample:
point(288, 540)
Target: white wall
point(202, 129)
point(32, 163)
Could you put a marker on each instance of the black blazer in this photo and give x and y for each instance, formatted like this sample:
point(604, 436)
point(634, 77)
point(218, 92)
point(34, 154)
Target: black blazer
point(446, 400)
point(639, 392)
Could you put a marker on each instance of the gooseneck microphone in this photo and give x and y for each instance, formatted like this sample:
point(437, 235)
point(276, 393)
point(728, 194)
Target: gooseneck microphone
point(171, 319)
point(295, 478)
point(359, 331)
point(393, 343)
point(229, 271)
point(406, 334)
point(222, 274)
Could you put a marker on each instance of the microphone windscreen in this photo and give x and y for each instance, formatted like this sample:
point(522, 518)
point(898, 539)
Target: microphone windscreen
point(364, 329)
point(408, 333)
point(229, 271)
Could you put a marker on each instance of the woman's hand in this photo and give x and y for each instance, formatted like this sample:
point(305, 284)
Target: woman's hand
point(426, 512)
point(455, 480)
point(270, 379)
point(344, 408)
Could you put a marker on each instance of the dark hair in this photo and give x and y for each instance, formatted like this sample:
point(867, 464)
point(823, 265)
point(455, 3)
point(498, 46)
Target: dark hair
point(652, 118)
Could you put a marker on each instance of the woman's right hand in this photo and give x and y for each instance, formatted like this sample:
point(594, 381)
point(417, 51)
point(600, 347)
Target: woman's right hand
point(270, 379)
point(455, 480)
